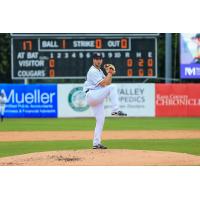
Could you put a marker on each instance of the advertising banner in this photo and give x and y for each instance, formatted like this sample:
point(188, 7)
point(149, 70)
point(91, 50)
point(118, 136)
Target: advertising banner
point(134, 99)
point(72, 101)
point(190, 56)
point(177, 100)
point(33, 100)
point(137, 100)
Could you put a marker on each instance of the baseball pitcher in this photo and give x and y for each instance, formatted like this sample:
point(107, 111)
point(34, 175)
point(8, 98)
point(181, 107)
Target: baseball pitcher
point(97, 87)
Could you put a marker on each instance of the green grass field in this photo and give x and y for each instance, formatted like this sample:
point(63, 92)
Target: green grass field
point(110, 124)
point(191, 146)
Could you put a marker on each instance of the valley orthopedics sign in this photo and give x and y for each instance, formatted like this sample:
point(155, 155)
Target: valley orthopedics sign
point(134, 99)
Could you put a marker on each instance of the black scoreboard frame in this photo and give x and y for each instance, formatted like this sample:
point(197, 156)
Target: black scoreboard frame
point(40, 36)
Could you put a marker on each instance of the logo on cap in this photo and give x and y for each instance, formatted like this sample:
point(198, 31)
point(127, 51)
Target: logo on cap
point(97, 55)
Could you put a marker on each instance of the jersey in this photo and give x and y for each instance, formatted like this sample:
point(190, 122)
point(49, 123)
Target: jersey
point(94, 77)
point(2, 101)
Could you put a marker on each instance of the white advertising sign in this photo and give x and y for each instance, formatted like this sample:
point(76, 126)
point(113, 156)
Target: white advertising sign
point(137, 100)
point(72, 101)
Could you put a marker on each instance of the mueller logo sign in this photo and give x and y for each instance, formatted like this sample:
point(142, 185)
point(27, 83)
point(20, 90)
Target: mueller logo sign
point(30, 100)
point(36, 96)
point(177, 100)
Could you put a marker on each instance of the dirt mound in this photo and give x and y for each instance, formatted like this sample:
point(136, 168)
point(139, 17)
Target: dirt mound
point(101, 158)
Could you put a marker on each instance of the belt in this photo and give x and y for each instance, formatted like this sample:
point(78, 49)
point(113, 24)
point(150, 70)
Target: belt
point(87, 91)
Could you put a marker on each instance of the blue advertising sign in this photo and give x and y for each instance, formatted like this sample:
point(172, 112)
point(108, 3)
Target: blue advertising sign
point(190, 56)
point(30, 100)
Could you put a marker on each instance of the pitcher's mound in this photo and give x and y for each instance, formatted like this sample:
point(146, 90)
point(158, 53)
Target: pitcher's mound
point(101, 158)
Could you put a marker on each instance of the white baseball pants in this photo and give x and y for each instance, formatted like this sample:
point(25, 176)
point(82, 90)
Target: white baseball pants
point(2, 109)
point(95, 99)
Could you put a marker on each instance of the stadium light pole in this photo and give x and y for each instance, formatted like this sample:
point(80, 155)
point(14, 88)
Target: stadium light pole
point(168, 58)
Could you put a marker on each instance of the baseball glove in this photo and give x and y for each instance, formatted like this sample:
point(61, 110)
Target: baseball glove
point(109, 68)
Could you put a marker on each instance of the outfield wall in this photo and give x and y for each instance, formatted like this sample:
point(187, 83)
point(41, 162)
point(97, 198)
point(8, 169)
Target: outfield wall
point(68, 100)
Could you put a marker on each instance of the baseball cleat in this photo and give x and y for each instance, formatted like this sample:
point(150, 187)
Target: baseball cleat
point(99, 146)
point(119, 113)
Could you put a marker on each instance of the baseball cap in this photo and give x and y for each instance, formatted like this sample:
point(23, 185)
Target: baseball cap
point(197, 35)
point(97, 55)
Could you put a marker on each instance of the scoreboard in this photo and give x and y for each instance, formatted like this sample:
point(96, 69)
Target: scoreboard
point(69, 56)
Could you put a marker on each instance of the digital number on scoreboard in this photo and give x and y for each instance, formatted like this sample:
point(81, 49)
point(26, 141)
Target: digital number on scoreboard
point(55, 56)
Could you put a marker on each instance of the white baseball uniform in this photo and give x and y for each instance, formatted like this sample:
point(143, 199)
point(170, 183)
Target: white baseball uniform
point(95, 95)
point(2, 105)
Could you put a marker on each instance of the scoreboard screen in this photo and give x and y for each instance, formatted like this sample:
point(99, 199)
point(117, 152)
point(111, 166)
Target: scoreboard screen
point(69, 56)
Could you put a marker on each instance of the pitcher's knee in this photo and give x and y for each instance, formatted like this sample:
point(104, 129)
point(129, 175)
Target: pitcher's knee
point(112, 87)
